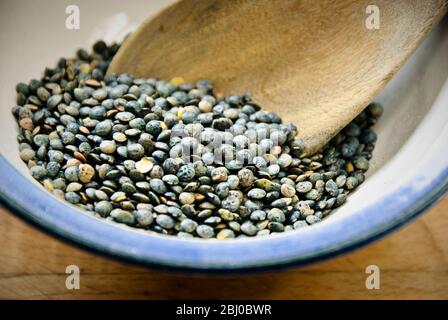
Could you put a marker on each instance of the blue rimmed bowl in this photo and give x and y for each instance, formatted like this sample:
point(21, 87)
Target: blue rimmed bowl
point(409, 169)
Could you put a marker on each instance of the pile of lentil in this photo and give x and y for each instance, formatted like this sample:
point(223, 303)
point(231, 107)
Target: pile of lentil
point(177, 159)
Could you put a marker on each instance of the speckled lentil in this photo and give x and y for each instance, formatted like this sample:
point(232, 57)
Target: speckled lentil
point(173, 158)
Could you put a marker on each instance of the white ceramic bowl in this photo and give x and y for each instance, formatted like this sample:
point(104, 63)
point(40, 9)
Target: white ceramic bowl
point(409, 169)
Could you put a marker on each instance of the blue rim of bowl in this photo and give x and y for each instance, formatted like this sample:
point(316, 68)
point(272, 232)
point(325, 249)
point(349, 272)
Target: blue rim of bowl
point(289, 249)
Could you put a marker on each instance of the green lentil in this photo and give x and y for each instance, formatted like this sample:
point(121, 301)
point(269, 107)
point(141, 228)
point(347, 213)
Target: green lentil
point(107, 144)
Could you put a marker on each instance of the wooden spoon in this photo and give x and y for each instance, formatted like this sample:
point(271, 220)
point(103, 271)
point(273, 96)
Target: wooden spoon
point(315, 63)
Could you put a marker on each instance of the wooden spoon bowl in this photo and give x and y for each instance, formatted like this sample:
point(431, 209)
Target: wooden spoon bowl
point(315, 63)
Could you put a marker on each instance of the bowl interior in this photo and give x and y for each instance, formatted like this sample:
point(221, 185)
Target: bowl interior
point(29, 45)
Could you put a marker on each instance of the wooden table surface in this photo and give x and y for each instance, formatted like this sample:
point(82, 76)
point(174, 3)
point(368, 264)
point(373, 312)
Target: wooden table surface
point(413, 264)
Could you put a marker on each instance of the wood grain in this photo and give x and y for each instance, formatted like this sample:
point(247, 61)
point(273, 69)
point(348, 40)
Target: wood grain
point(413, 264)
point(314, 61)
